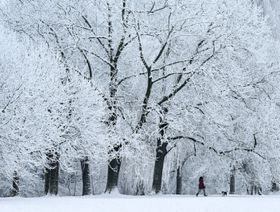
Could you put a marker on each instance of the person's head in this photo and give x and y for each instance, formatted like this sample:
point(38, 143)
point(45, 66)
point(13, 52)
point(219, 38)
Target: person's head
point(200, 178)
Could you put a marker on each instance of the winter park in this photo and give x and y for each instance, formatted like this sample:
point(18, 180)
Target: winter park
point(140, 105)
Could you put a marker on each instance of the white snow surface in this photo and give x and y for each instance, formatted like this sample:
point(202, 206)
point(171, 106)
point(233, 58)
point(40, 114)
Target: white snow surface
point(119, 203)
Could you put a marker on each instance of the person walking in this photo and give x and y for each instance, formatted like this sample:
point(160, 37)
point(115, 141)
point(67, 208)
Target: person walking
point(201, 186)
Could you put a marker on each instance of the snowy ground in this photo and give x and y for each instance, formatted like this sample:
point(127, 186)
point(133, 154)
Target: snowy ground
point(106, 203)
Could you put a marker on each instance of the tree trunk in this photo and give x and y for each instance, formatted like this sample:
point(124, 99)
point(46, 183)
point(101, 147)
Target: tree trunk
point(15, 188)
point(52, 174)
point(232, 184)
point(161, 152)
point(47, 180)
point(75, 185)
point(274, 187)
point(179, 180)
point(115, 163)
point(86, 176)
point(140, 188)
point(255, 189)
point(160, 156)
point(113, 175)
point(157, 179)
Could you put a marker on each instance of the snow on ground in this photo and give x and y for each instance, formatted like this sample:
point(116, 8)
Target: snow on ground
point(106, 203)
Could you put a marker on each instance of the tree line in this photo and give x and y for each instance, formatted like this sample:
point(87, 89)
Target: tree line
point(149, 95)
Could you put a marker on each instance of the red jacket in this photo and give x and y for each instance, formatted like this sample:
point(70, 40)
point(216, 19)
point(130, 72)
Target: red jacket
point(201, 184)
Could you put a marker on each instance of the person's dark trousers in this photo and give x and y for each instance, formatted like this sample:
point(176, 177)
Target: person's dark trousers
point(204, 193)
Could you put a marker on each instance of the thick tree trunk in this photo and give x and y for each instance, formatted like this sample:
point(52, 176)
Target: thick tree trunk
point(161, 152)
point(160, 156)
point(179, 180)
point(157, 179)
point(15, 188)
point(115, 163)
point(53, 180)
point(52, 175)
point(114, 55)
point(86, 176)
point(113, 175)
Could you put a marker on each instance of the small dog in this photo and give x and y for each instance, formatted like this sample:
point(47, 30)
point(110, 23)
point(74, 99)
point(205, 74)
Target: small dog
point(224, 193)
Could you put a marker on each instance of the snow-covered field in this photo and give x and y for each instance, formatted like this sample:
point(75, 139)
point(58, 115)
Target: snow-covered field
point(106, 203)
